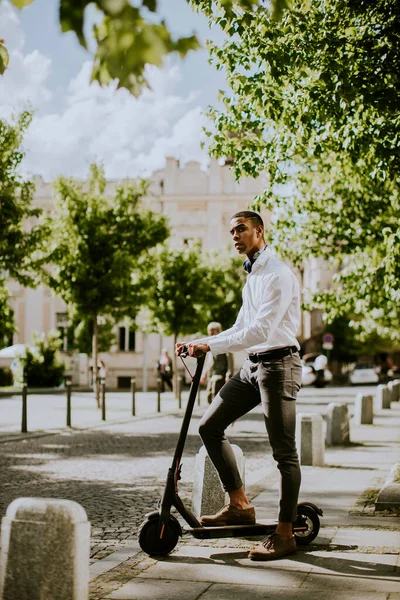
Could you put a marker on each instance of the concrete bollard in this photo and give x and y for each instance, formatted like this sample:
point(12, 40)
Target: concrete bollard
point(364, 410)
point(310, 439)
point(396, 387)
point(393, 391)
point(337, 425)
point(208, 494)
point(45, 548)
point(382, 397)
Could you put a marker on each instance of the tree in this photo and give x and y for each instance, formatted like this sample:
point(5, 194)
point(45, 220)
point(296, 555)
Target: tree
point(128, 37)
point(23, 233)
point(313, 102)
point(97, 242)
point(81, 333)
point(226, 278)
point(191, 289)
point(352, 342)
point(7, 325)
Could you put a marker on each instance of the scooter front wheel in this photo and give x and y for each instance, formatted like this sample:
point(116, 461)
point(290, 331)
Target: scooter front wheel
point(308, 519)
point(156, 540)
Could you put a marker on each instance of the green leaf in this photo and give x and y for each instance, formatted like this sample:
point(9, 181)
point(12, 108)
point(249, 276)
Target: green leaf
point(21, 3)
point(4, 58)
point(72, 17)
point(127, 43)
point(150, 4)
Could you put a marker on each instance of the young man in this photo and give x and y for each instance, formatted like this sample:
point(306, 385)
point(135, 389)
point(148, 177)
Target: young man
point(266, 328)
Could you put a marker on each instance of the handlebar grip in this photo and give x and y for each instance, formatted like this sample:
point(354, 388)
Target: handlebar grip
point(185, 352)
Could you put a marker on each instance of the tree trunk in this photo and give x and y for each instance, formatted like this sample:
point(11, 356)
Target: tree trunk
point(95, 343)
point(175, 368)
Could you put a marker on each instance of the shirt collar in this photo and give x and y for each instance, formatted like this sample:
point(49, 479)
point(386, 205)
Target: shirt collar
point(249, 262)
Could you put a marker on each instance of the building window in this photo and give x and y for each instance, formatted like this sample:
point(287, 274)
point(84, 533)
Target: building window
point(126, 339)
point(131, 340)
point(122, 338)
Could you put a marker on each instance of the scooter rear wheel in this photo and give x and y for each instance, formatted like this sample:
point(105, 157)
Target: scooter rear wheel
point(306, 516)
point(155, 542)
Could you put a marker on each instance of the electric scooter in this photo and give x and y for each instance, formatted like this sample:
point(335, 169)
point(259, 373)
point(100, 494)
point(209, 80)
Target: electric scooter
point(160, 532)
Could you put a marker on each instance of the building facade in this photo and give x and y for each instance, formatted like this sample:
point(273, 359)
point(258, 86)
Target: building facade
point(199, 205)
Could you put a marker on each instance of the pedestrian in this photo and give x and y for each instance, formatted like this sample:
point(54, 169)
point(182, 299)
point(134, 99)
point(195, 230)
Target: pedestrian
point(319, 366)
point(217, 369)
point(266, 329)
point(164, 368)
point(101, 370)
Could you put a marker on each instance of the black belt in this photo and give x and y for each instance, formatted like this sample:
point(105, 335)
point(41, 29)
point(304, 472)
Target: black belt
point(273, 354)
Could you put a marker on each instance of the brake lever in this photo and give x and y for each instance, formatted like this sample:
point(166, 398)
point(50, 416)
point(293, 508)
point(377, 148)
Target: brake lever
point(185, 352)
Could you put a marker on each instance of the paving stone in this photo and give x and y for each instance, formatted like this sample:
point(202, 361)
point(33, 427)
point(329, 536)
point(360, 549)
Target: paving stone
point(144, 589)
point(226, 566)
point(113, 559)
point(364, 537)
point(230, 592)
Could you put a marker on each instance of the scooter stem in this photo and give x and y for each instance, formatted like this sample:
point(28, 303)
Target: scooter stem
point(188, 412)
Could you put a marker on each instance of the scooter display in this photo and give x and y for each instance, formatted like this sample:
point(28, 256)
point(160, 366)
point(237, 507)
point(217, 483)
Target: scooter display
point(161, 530)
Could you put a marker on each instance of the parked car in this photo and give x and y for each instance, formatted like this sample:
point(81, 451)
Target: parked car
point(315, 370)
point(364, 373)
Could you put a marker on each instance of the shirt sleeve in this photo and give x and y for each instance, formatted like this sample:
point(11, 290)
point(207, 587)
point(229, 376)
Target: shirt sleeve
point(235, 327)
point(273, 305)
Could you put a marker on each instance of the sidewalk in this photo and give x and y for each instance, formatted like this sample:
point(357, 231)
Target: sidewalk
point(48, 412)
point(356, 554)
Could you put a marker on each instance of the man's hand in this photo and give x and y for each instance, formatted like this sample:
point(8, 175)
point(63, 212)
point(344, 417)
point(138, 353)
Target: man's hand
point(179, 347)
point(194, 349)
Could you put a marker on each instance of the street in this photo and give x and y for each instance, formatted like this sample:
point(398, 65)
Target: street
point(117, 471)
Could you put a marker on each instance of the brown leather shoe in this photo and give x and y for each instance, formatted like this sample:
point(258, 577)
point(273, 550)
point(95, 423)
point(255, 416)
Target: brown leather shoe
point(230, 515)
point(273, 547)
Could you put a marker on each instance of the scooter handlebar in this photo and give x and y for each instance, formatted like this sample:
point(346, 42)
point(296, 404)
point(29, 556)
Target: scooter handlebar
point(185, 353)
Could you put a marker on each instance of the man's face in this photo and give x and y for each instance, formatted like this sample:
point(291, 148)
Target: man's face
point(214, 331)
point(245, 234)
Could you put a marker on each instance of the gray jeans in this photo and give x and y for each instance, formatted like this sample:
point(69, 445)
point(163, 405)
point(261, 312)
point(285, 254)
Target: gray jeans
point(275, 384)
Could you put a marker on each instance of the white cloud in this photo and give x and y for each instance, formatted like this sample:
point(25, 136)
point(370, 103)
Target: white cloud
point(25, 80)
point(129, 136)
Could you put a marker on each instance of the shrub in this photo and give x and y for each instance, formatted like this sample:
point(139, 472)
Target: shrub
point(40, 365)
point(6, 377)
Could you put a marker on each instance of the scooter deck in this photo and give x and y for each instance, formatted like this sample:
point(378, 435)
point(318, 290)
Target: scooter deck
point(257, 529)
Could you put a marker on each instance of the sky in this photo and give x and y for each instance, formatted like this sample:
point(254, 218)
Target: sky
point(76, 123)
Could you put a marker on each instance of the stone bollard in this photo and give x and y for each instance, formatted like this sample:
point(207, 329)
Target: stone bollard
point(208, 494)
point(382, 397)
point(396, 387)
point(364, 410)
point(393, 391)
point(337, 425)
point(310, 439)
point(44, 550)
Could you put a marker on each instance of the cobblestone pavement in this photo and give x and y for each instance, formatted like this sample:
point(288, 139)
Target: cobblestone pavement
point(117, 472)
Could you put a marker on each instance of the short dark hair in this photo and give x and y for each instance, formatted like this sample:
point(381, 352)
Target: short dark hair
point(251, 215)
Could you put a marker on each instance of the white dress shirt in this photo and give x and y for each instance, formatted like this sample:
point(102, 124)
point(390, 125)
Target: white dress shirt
point(270, 314)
